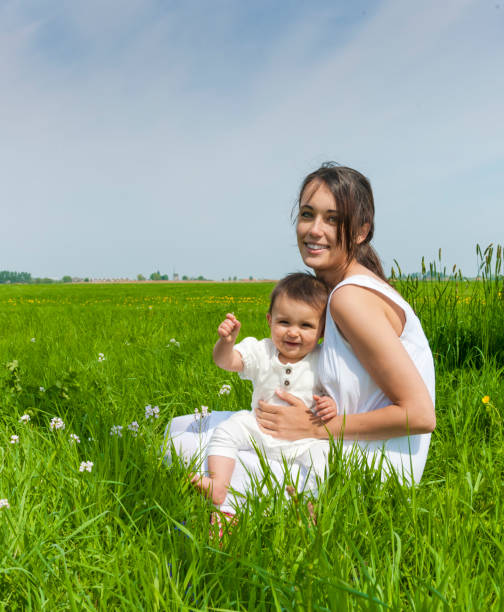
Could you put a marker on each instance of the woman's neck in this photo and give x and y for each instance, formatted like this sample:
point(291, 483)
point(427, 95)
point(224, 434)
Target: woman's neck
point(335, 276)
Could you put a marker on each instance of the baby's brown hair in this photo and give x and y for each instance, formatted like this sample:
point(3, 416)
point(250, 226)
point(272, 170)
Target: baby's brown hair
point(302, 287)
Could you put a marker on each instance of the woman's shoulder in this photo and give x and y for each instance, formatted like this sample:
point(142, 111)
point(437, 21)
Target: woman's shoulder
point(364, 299)
point(352, 297)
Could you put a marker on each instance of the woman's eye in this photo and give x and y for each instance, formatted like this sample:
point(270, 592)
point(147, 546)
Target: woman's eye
point(333, 219)
point(305, 214)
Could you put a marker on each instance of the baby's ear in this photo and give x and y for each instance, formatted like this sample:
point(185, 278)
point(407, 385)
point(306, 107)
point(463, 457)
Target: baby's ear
point(268, 318)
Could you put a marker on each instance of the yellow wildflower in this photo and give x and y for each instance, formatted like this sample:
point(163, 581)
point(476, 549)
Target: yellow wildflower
point(485, 399)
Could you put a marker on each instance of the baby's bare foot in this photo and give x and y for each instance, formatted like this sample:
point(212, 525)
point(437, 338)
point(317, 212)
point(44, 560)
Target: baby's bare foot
point(210, 487)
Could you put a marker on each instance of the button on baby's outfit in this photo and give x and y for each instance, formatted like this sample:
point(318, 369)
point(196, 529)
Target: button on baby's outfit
point(287, 372)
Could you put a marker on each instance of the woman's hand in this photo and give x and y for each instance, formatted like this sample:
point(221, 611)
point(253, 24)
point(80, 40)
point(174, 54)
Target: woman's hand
point(291, 422)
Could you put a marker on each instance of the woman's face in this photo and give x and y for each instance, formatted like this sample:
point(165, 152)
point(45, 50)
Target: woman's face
point(316, 230)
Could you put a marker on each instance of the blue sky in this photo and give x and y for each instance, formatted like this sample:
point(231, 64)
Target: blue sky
point(140, 135)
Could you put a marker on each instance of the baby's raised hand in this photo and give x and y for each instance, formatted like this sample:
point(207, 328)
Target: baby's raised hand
point(325, 407)
point(229, 328)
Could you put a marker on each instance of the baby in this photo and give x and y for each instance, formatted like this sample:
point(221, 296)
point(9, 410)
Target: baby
point(287, 360)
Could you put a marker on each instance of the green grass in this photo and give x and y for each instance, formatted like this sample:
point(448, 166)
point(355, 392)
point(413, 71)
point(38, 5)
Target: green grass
point(132, 534)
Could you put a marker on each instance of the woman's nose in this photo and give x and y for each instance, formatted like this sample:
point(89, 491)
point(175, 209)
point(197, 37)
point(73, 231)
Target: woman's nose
point(316, 227)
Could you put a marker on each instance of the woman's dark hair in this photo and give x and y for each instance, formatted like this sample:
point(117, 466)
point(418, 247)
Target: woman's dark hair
point(302, 287)
point(355, 206)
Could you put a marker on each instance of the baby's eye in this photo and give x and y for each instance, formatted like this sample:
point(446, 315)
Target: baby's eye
point(284, 322)
point(308, 325)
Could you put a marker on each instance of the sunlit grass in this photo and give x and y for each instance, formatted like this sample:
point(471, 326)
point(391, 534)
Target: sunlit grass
point(132, 534)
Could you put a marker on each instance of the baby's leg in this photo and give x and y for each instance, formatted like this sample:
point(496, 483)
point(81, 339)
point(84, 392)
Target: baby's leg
point(216, 485)
point(231, 436)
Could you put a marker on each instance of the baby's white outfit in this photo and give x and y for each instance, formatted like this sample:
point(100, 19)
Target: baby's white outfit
point(262, 366)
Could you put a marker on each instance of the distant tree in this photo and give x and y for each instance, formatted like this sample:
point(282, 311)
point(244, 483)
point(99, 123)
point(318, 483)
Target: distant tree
point(185, 277)
point(155, 276)
point(15, 277)
point(67, 279)
point(140, 277)
point(86, 280)
point(234, 278)
point(200, 277)
point(165, 277)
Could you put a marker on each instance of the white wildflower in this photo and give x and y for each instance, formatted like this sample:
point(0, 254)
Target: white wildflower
point(201, 414)
point(4, 503)
point(74, 438)
point(151, 411)
point(116, 430)
point(101, 357)
point(86, 466)
point(24, 419)
point(42, 389)
point(33, 340)
point(225, 390)
point(57, 423)
point(133, 427)
point(174, 342)
point(14, 439)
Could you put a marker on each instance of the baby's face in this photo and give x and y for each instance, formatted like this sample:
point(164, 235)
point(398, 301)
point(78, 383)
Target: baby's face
point(295, 328)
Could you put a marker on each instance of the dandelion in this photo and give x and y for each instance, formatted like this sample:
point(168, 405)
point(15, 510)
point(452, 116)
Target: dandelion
point(24, 419)
point(14, 439)
point(485, 399)
point(116, 430)
point(32, 340)
point(150, 307)
point(151, 411)
point(133, 427)
point(57, 423)
point(74, 438)
point(225, 390)
point(4, 503)
point(101, 357)
point(42, 389)
point(174, 342)
point(86, 466)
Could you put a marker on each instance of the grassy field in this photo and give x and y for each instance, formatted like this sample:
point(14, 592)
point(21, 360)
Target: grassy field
point(131, 534)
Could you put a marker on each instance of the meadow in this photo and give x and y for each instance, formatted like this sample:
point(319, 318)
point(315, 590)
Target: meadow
point(92, 518)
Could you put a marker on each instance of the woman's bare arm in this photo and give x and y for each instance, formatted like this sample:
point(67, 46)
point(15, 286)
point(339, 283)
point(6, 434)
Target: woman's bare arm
point(364, 319)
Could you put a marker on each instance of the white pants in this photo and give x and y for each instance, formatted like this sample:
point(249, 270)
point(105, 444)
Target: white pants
point(240, 432)
point(190, 438)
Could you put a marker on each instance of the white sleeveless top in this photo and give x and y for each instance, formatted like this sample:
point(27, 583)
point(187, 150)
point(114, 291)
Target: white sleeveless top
point(349, 383)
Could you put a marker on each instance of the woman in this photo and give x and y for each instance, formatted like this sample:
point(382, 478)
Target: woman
point(376, 362)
